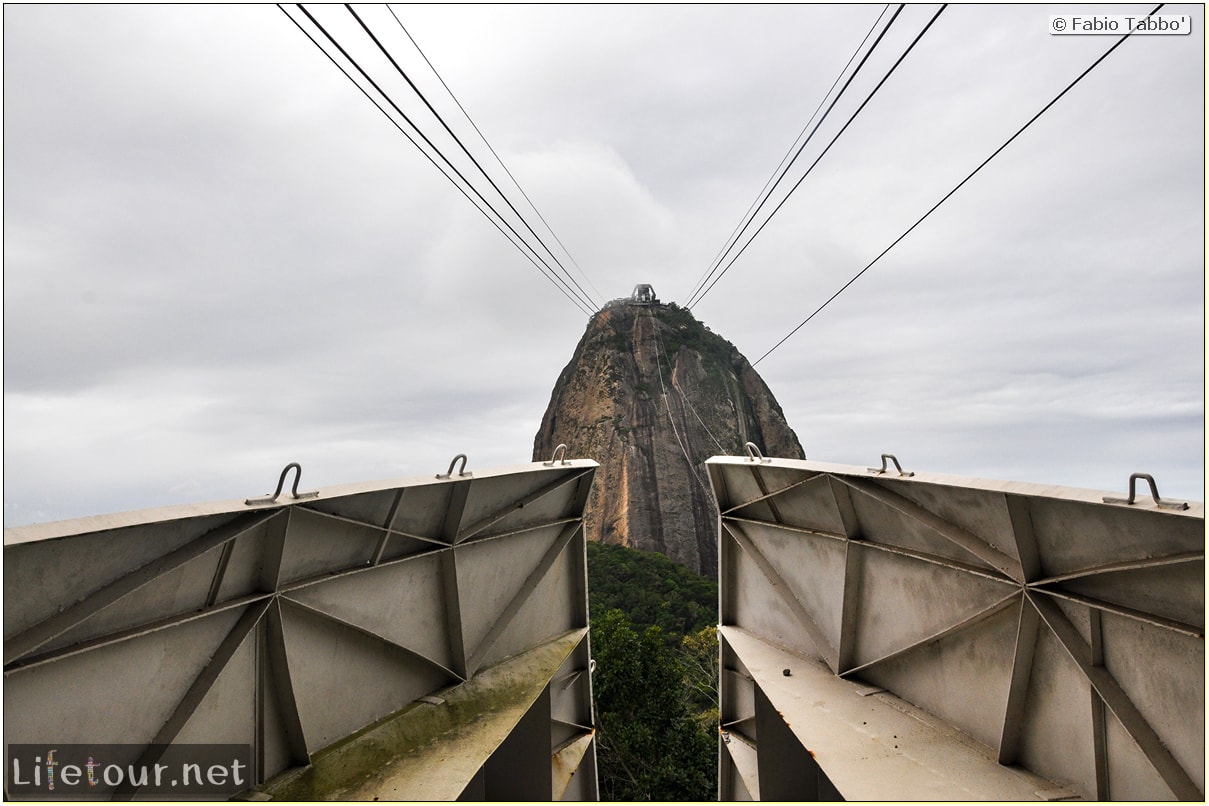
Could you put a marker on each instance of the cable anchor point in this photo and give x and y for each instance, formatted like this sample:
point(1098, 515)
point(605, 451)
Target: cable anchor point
point(559, 453)
point(891, 457)
point(272, 499)
point(1154, 493)
point(461, 471)
point(753, 453)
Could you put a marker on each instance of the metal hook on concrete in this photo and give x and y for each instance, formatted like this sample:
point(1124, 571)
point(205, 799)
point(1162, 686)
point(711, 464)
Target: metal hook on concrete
point(894, 459)
point(270, 499)
point(461, 470)
point(559, 453)
point(753, 452)
point(1154, 493)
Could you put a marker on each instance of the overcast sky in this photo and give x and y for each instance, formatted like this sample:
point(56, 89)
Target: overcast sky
point(220, 258)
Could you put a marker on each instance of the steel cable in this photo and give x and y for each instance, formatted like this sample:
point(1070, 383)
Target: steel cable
point(797, 184)
point(774, 180)
point(483, 137)
point(419, 94)
point(551, 277)
point(959, 185)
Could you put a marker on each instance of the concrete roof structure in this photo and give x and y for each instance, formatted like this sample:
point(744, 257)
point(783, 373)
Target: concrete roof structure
point(884, 636)
point(896, 636)
point(343, 635)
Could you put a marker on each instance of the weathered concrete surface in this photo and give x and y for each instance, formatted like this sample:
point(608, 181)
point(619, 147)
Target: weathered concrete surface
point(876, 744)
point(431, 750)
point(932, 637)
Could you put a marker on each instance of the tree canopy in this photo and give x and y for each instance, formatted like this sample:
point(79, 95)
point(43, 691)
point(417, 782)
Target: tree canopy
point(651, 590)
point(655, 644)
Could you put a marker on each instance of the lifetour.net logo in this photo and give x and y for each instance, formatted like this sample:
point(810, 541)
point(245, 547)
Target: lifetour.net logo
point(100, 771)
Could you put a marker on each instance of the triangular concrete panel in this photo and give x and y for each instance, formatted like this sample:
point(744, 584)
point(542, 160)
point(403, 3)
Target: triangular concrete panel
point(759, 606)
point(1131, 776)
point(490, 573)
point(554, 502)
point(372, 508)
point(1122, 533)
point(245, 565)
point(980, 512)
point(227, 712)
point(107, 556)
point(282, 744)
point(1167, 591)
point(496, 496)
point(883, 524)
point(741, 487)
point(1057, 737)
point(423, 509)
point(963, 678)
point(327, 658)
point(181, 590)
point(1132, 650)
point(403, 602)
point(139, 681)
point(316, 544)
point(811, 568)
point(904, 600)
point(553, 607)
point(810, 504)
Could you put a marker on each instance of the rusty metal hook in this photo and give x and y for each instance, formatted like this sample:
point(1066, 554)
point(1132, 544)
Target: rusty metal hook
point(461, 470)
point(1154, 493)
point(270, 499)
point(894, 459)
point(559, 453)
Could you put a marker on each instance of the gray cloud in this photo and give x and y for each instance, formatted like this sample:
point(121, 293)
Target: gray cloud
point(220, 258)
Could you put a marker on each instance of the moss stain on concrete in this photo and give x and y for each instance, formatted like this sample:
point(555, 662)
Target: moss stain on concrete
point(429, 751)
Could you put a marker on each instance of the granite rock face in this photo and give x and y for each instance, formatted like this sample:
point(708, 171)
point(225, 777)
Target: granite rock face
point(650, 394)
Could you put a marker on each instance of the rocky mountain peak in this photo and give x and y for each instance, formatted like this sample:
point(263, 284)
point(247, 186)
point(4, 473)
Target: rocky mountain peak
point(650, 394)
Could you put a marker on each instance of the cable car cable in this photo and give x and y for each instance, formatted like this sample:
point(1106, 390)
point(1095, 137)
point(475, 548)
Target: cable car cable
point(551, 276)
point(466, 151)
point(770, 186)
point(797, 184)
point(483, 137)
point(946, 197)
